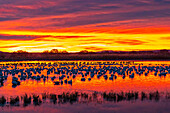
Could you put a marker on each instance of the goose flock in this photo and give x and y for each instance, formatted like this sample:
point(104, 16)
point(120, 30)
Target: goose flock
point(64, 72)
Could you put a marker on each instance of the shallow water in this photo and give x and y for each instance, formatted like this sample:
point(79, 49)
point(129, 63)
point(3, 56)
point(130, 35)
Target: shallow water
point(153, 90)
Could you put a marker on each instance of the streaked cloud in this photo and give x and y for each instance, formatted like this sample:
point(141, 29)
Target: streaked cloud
point(17, 37)
point(74, 25)
point(8, 46)
point(130, 42)
point(165, 38)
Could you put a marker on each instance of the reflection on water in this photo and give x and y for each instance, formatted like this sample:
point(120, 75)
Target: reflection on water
point(77, 97)
point(37, 83)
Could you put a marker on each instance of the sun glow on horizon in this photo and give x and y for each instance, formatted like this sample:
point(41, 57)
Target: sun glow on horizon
point(75, 25)
point(77, 41)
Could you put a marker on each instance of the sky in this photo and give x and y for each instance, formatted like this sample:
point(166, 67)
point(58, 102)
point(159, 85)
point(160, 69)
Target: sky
point(93, 25)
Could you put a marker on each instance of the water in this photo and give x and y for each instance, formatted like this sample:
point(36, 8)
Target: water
point(112, 88)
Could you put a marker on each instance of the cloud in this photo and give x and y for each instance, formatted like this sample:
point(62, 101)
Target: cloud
point(16, 37)
point(78, 22)
point(94, 48)
point(54, 38)
point(88, 12)
point(130, 42)
point(8, 46)
point(7, 18)
point(71, 37)
point(41, 37)
point(165, 38)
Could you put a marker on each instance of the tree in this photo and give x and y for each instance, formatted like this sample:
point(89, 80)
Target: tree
point(20, 51)
point(46, 51)
point(64, 51)
point(54, 51)
point(83, 51)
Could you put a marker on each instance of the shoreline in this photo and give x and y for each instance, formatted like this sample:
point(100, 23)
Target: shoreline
point(84, 57)
point(135, 60)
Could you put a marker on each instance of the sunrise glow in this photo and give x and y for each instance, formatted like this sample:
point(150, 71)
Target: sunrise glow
point(93, 26)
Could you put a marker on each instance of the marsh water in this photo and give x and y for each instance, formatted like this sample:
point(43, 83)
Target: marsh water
point(85, 86)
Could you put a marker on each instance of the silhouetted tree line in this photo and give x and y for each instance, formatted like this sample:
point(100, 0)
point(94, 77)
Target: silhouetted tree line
point(55, 51)
point(56, 54)
point(163, 51)
point(20, 51)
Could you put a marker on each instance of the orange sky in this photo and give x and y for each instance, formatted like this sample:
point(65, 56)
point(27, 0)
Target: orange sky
point(75, 25)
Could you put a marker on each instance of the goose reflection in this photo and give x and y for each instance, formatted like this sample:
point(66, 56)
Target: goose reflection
point(83, 97)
